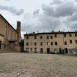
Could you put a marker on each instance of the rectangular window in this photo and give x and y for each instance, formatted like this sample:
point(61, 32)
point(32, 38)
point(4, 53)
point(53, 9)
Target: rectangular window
point(51, 37)
point(70, 41)
point(64, 35)
point(51, 43)
point(34, 37)
point(35, 43)
point(70, 35)
point(47, 43)
point(27, 37)
point(76, 35)
point(47, 37)
point(56, 43)
point(76, 41)
point(40, 37)
point(41, 43)
point(65, 43)
point(55, 35)
point(27, 44)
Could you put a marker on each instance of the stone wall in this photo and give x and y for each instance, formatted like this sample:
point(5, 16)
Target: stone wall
point(72, 51)
point(46, 43)
point(18, 48)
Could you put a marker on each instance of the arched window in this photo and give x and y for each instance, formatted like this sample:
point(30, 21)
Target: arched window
point(41, 50)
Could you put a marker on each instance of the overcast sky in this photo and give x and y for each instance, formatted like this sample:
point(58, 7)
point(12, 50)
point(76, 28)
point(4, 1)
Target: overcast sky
point(41, 15)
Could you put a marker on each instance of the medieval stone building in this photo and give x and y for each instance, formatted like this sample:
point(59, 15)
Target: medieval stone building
point(52, 42)
point(9, 37)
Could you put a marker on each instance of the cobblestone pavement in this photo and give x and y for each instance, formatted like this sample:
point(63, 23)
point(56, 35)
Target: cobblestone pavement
point(37, 65)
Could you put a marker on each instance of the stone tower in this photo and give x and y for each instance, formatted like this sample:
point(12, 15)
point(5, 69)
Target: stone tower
point(19, 30)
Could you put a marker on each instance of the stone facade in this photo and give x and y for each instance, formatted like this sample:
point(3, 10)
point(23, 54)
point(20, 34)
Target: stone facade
point(8, 35)
point(1, 40)
point(72, 51)
point(52, 42)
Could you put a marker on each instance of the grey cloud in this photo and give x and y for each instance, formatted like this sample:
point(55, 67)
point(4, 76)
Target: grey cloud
point(7, 0)
point(57, 2)
point(48, 10)
point(36, 12)
point(45, 24)
point(61, 17)
point(12, 10)
point(74, 26)
point(49, 26)
point(29, 29)
point(49, 23)
point(73, 17)
point(65, 9)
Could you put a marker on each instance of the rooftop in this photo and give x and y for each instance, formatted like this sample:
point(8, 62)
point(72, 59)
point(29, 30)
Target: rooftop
point(59, 32)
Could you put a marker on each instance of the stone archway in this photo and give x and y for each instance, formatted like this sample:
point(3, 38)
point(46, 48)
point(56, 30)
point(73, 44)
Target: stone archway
point(48, 50)
point(41, 50)
point(66, 50)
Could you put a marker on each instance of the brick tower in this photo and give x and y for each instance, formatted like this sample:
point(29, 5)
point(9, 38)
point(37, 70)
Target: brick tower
point(19, 30)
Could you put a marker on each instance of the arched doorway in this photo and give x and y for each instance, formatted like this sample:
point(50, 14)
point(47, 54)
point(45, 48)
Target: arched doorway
point(66, 50)
point(35, 50)
point(11, 46)
point(41, 50)
point(60, 50)
point(48, 50)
